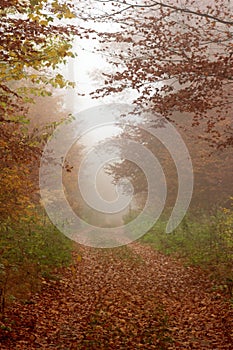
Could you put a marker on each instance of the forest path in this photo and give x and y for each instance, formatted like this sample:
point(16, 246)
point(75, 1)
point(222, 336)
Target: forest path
point(130, 297)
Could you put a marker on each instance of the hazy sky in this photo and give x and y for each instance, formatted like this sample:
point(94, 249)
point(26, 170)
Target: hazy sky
point(85, 71)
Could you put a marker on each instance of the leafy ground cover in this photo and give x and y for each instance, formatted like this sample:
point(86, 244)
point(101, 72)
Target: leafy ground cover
point(29, 251)
point(124, 298)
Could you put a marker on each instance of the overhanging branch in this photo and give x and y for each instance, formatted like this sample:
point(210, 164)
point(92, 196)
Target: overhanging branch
point(161, 4)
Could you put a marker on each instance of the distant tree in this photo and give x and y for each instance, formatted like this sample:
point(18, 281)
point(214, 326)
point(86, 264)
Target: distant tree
point(212, 174)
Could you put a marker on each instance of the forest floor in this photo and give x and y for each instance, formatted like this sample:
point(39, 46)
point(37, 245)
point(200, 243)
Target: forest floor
point(130, 297)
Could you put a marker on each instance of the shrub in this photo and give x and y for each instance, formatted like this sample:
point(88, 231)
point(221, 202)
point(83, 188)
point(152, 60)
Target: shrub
point(30, 250)
point(206, 241)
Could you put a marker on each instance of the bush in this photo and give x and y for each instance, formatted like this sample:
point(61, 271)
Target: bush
point(206, 241)
point(30, 250)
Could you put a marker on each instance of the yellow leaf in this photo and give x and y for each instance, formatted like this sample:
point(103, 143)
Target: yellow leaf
point(79, 258)
point(69, 14)
point(44, 23)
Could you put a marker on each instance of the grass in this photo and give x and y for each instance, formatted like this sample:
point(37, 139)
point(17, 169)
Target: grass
point(31, 250)
point(205, 241)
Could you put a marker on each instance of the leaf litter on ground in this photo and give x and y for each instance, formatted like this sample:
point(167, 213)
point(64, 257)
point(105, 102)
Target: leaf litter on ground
point(131, 297)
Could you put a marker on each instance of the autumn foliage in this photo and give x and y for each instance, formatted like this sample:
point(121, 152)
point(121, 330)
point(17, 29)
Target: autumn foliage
point(33, 44)
point(32, 41)
point(177, 57)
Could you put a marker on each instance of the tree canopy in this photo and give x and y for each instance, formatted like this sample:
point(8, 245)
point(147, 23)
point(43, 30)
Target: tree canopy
point(32, 42)
point(35, 40)
point(178, 56)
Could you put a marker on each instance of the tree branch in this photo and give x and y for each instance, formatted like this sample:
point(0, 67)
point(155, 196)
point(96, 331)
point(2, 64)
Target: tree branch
point(161, 4)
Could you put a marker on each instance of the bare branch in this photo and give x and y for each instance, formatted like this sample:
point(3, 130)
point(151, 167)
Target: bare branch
point(161, 4)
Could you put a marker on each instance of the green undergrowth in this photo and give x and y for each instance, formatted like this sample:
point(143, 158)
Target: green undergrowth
point(203, 240)
point(31, 250)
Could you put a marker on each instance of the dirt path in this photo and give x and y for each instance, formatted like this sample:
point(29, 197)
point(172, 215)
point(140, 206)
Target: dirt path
point(124, 298)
